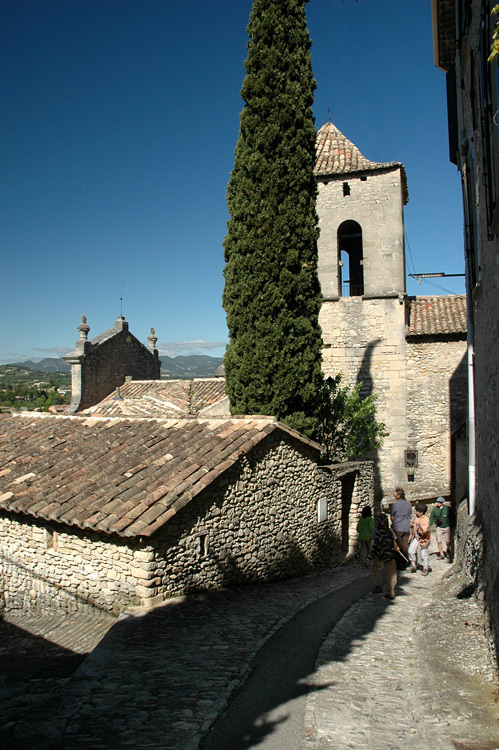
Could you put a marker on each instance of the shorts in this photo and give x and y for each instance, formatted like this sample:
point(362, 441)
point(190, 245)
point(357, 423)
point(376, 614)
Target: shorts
point(443, 535)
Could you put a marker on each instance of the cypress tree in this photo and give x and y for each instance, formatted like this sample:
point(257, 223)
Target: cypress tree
point(272, 295)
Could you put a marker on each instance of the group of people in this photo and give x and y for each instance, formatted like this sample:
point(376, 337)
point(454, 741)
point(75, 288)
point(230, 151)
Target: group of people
point(398, 545)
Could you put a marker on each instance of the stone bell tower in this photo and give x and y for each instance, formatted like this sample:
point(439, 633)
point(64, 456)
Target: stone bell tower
point(360, 205)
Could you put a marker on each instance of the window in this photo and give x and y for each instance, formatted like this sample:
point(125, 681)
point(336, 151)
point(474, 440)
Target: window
point(411, 462)
point(485, 121)
point(322, 509)
point(50, 539)
point(202, 545)
point(411, 459)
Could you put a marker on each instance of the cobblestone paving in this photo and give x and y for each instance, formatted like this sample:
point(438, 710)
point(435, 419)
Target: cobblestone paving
point(391, 675)
point(411, 675)
point(79, 632)
point(160, 679)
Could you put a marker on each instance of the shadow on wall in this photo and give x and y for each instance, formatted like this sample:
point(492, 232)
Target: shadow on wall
point(469, 545)
point(290, 563)
point(365, 377)
point(52, 596)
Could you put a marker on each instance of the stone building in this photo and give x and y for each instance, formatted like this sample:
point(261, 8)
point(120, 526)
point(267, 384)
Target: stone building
point(408, 351)
point(114, 511)
point(102, 364)
point(462, 44)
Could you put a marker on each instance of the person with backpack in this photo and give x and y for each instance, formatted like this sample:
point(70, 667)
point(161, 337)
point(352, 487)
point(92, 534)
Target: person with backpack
point(382, 553)
point(441, 516)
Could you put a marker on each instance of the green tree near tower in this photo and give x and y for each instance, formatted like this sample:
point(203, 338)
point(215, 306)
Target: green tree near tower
point(272, 294)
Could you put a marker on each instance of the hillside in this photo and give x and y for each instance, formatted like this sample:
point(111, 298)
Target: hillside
point(23, 374)
point(193, 366)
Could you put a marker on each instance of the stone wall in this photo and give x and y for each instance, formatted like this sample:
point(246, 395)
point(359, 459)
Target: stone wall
point(365, 340)
point(475, 151)
point(48, 568)
point(436, 409)
point(257, 522)
point(352, 483)
point(420, 384)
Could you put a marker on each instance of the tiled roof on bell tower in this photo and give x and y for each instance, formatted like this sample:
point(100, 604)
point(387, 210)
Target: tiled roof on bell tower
point(336, 155)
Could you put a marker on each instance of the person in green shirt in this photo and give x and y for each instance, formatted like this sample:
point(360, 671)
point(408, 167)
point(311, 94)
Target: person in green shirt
point(441, 516)
point(365, 528)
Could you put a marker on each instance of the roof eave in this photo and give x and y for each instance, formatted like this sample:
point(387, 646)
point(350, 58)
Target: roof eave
point(443, 44)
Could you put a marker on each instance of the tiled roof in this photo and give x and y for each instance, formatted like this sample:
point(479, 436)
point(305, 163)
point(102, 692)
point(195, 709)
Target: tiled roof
point(120, 476)
point(431, 316)
point(161, 398)
point(336, 155)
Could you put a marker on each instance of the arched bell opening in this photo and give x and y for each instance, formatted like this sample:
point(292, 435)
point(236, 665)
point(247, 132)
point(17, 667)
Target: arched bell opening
point(350, 260)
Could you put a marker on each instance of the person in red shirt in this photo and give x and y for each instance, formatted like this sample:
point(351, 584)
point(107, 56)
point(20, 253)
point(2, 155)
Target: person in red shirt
point(420, 539)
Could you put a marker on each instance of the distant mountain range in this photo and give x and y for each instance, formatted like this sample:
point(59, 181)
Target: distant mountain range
point(192, 366)
point(49, 364)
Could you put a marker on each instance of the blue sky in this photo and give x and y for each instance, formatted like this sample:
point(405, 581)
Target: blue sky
point(118, 127)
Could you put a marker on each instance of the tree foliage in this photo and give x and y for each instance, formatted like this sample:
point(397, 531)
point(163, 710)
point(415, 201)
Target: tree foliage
point(348, 428)
point(272, 294)
point(494, 47)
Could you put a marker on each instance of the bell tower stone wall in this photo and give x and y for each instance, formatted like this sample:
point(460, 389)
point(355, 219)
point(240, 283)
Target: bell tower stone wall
point(374, 200)
point(364, 325)
point(364, 339)
point(407, 352)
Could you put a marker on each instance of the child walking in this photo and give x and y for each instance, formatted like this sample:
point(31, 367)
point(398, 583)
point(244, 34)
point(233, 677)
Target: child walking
point(365, 528)
point(420, 539)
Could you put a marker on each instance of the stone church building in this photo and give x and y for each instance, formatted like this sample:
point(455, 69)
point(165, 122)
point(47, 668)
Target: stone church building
point(409, 351)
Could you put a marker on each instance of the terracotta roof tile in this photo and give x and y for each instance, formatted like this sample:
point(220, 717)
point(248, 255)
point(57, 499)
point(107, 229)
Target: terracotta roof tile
point(439, 315)
point(336, 155)
point(123, 476)
point(161, 398)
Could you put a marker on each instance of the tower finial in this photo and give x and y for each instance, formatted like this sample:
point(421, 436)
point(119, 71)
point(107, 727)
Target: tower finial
point(83, 328)
point(152, 339)
point(328, 114)
point(121, 305)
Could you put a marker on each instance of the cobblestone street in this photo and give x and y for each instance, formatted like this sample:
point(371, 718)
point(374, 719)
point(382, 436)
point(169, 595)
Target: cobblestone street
point(390, 674)
point(413, 674)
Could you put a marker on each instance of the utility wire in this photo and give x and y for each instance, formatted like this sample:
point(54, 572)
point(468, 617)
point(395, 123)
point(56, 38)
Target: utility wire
point(437, 286)
point(413, 269)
